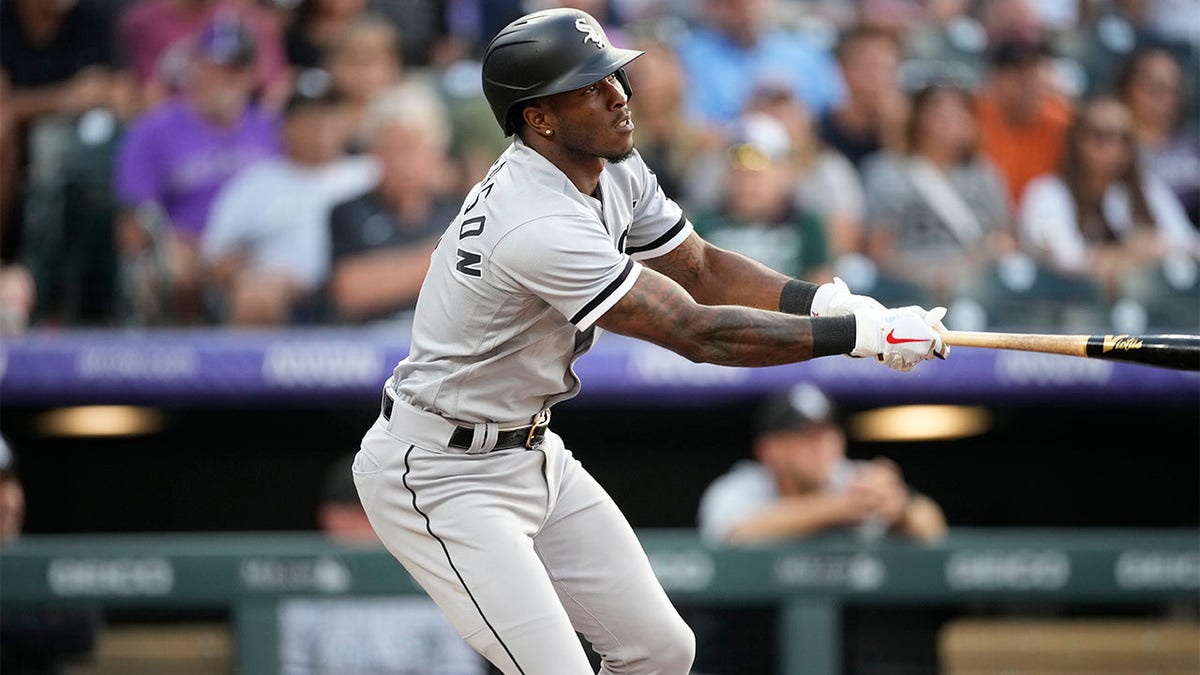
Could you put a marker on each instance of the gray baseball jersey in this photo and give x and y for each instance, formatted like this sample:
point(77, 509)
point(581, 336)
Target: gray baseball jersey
point(520, 277)
point(519, 546)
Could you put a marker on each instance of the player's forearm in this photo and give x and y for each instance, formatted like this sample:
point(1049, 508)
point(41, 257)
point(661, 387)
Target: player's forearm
point(743, 336)
point(714, 276)
point(790, 517)
point(657, 310)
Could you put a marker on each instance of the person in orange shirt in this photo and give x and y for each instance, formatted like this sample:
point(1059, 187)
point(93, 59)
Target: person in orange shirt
point(1023, 119)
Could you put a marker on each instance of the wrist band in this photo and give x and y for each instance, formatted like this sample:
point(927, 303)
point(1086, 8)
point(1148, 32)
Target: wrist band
point(797, 298)
point(833, 335)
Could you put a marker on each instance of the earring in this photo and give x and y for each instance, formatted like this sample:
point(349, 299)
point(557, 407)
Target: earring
point(549, 131)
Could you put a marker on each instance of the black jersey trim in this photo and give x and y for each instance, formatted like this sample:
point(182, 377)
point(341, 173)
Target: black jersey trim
point(429, 529)
point(603, 294)
point(675, 229)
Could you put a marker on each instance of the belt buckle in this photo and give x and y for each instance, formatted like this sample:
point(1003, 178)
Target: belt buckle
point(540, 421)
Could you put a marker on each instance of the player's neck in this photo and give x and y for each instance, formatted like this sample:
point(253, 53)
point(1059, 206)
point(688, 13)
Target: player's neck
point(581, 169)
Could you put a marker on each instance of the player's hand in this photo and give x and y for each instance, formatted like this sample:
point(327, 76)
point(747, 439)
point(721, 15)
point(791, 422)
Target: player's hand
point(835, 299)
point(933, 317)
point(899, 338)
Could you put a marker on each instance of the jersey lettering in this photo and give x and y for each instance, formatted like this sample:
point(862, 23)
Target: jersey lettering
point(487, 188)
point(468, 263)
point(471, 227)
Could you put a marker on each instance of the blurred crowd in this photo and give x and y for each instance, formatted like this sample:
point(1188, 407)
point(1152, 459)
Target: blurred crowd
point(292, 162)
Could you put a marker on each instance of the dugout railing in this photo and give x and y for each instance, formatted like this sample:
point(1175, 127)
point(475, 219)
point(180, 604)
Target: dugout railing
point(250, 574)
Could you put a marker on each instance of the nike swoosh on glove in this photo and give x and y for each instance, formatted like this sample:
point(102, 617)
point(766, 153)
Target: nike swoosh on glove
point(899, 338)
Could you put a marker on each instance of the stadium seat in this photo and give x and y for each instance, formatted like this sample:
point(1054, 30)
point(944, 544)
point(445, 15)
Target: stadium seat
point(1167, 293)
point(1019, 294)
point(863, 277)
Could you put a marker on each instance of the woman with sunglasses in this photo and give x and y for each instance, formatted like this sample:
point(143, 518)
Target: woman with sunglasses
point(1100, 214)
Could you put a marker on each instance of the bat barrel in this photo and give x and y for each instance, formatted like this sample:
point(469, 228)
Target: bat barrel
point(1181, 352)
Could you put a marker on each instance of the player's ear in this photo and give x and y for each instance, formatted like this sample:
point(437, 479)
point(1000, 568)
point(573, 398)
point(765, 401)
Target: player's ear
point(538, 119)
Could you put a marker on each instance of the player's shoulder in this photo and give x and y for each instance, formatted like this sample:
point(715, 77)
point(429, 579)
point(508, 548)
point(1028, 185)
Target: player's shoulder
point(522, 187)
point(629, 175)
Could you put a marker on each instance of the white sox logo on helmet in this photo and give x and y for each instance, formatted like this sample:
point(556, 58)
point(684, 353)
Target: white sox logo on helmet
point(590, 34)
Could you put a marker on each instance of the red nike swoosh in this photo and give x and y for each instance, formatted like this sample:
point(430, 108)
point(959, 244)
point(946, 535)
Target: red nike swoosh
point(893, 340)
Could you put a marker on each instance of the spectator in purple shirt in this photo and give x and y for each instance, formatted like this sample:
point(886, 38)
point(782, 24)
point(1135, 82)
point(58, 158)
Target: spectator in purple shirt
point(176, 158)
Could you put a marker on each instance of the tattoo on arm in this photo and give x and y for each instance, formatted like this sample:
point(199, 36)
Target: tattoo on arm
point(658, 310)
point(714, 276)
point(684, 263)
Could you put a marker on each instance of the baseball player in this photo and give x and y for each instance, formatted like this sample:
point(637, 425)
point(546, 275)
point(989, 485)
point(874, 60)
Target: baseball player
point(567, 234)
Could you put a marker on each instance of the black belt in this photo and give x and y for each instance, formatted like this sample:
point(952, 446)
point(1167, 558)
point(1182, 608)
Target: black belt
point(521, 437)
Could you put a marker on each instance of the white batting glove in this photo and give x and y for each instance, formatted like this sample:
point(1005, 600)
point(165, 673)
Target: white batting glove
point(900, 338)
point(835, 299)
point(932, 317)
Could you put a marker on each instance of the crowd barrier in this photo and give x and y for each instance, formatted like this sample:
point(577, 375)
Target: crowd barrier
point(221, 366)
point(250, 574)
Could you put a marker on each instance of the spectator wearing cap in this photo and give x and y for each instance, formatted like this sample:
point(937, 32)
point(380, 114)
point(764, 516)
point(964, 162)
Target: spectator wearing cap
point(757, 215)
point(826, 182)
point(157, 38)
point(800, 482)
point(176, 158)
point(1023, 119)
point(266, 246)
point(382, 239)
point(738, 48)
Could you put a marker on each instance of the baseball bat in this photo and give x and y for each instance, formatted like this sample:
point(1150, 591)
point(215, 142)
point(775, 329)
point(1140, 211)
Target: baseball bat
point(1181, 352)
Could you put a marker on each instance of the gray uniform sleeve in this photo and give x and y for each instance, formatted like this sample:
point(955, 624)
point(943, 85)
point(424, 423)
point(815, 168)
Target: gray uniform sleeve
point(569, 262)
point(658, 223)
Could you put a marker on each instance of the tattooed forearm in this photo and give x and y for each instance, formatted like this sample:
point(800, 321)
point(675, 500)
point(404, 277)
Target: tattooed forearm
point(659, 311)
point(739, 336)
point(684, 264)
point(714, 276)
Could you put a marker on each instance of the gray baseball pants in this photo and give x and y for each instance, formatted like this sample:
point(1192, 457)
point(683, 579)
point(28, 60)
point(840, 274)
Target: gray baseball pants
point(520, 548)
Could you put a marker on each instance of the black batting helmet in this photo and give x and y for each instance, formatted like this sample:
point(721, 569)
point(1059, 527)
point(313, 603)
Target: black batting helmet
point(545, 53)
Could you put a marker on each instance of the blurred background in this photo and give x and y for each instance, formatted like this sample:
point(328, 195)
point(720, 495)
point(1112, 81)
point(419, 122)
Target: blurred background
point(215, 216)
